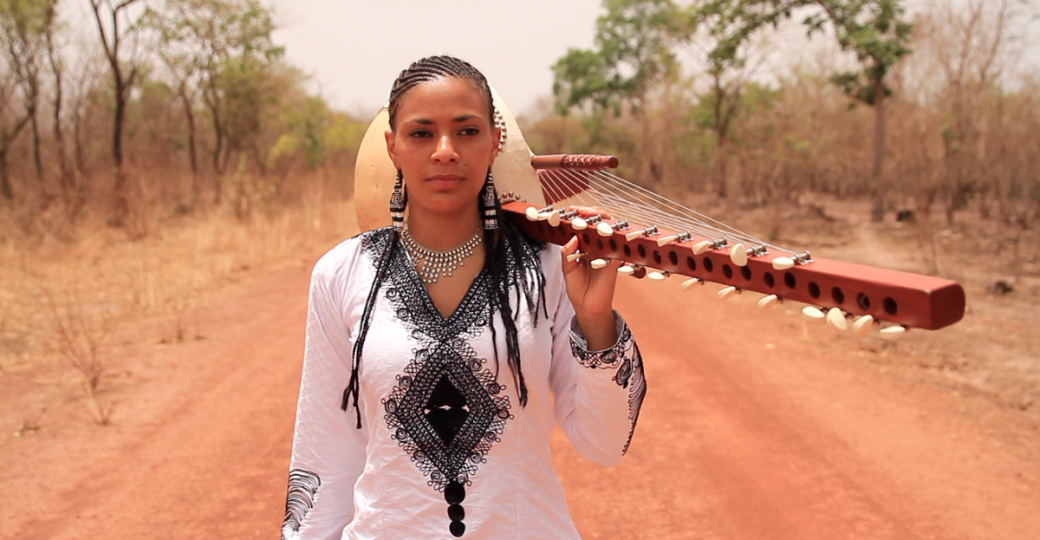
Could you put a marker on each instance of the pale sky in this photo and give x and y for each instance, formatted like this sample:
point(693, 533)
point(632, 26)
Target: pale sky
point(355, 49)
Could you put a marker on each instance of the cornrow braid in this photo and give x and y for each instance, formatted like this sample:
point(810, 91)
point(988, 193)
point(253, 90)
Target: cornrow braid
point(510, 258)
point(436, 67)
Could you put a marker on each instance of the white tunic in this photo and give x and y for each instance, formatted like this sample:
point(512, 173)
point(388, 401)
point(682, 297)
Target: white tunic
point(438, 425)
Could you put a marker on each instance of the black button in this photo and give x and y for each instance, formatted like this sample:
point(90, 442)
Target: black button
point(456, 512)
point(455, 493)
point(457, 528)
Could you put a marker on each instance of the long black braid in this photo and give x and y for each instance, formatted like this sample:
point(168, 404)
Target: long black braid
point(510, 258)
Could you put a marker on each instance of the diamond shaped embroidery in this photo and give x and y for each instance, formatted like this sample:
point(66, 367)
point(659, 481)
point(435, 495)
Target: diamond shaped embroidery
point(447, 411)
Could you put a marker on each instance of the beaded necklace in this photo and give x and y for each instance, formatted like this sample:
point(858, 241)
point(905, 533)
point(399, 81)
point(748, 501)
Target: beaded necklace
point(430, 264)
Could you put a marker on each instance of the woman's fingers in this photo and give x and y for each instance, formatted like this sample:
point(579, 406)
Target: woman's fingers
point(586, 211)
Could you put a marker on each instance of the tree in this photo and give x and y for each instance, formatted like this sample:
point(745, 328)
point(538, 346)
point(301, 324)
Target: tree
point(23, 24)
point(873, 30)
point(633, 53)
point(712, 32)
point(113, 33)
point(220, 49)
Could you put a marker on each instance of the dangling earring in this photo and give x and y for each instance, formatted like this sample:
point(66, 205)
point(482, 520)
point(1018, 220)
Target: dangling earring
point(398, 200)
point(488, 201)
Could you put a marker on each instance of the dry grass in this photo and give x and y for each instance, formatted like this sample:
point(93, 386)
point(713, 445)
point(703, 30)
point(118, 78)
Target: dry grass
point(69, 290)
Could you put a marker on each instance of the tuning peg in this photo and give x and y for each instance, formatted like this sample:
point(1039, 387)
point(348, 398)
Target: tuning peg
point(658, 275)
point(575, 256)
point(738, 254)
point(579, 224)
point(768, 301)
point(812, 313)
point(703, 247)
point(677, 238)
point(862, 325)
point(893, 330)
point(596, 264)
point(531, 213)
point(690, 283)
point(836, 318)
point(626, 269)
point(728, 292)
point(784, 263)
point(649, 231)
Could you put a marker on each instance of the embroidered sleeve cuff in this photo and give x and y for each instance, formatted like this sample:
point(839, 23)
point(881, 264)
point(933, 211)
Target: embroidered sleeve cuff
point(608, 358)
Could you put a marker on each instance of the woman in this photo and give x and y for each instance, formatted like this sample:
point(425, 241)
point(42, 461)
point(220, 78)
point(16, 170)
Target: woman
point(408, 425)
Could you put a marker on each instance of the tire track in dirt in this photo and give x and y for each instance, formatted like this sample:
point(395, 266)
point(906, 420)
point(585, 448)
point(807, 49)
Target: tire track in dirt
point(735, 440)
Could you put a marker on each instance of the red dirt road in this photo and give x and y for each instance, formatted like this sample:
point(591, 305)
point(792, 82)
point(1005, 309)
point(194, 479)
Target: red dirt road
point(749, 431)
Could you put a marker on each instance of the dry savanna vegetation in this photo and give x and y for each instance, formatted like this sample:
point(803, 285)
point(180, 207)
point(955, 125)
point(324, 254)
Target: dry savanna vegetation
point(176, 150)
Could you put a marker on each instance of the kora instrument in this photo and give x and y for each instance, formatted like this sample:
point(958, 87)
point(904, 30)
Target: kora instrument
point(548, 198)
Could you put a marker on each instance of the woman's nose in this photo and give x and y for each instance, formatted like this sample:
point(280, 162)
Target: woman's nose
point(445, 151)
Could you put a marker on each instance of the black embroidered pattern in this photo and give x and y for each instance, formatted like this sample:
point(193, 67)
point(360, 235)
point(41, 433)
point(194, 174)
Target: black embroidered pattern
point(303, 485)
point(625, 358)
point(447, 409)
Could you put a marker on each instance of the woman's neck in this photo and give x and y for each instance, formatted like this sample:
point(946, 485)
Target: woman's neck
point(441, 231)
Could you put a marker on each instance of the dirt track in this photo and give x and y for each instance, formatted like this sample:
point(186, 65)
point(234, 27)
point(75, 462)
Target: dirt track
point(749, 431)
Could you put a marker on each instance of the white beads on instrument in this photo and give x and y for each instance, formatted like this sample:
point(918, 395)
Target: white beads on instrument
point(836, 318)
point(812, 313)
point(839, 321)
point(690, 283)
point(768, 301)
point(657, 275)
point(728, 292)
point(599, 263)
point(862, 325)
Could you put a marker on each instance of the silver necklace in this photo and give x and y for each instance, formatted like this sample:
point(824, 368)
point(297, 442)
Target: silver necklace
point(430, 264)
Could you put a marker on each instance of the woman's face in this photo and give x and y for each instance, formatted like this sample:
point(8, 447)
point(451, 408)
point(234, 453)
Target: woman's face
point(443, 143)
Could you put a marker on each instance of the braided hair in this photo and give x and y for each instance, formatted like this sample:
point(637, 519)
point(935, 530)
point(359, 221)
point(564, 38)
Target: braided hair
point(510, 258)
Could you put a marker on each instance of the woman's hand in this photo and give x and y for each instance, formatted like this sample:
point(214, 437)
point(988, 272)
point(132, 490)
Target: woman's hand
point(591, 293)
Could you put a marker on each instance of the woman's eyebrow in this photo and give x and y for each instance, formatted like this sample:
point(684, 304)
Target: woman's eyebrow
point(427, 121)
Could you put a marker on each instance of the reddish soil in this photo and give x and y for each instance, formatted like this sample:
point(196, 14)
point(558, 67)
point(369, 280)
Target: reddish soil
point(754, 427)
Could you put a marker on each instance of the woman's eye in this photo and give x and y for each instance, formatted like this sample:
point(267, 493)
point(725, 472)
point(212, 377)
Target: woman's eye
point(420, 133)
point(469, 131)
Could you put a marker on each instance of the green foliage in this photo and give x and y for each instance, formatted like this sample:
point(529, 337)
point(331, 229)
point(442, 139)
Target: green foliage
point(873, 30)
point(633, 52)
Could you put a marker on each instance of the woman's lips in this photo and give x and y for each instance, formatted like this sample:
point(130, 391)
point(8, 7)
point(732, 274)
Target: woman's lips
point(445, 180)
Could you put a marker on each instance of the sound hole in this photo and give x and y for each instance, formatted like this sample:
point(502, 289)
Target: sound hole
point(627, 250)
point(745, 273)
point(599, 244)
point(691, 263)
point(837, 295)
point(657, 257)
point(585, 237)
point(673, 258)
point(814, 289)
point(708, 265)
point(727, 271)
point(768, 278)
point(890, 306)
point(789, 280)
point(613, 245)
point(641, 250)
point(863, 301)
